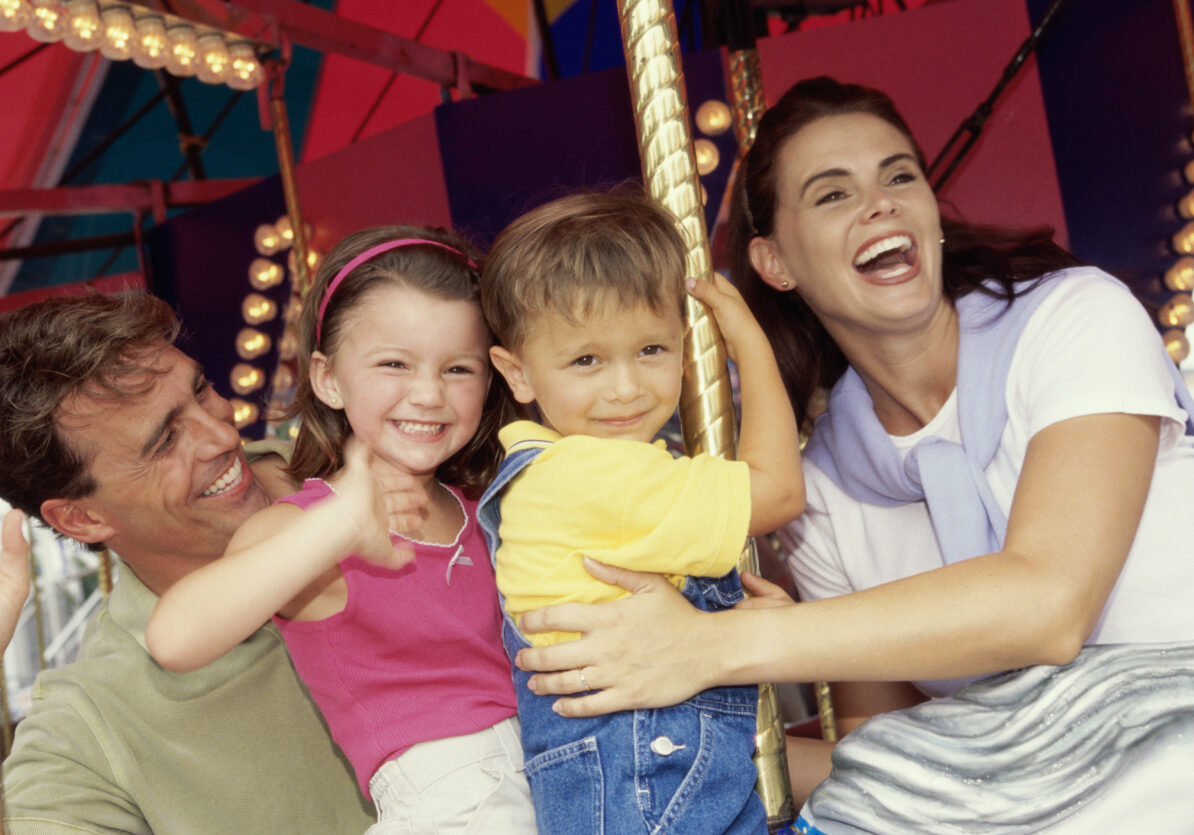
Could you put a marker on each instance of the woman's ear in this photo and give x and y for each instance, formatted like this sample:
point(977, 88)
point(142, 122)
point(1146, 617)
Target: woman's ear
point(323, 380)
point(766, 260)
point(510, 367)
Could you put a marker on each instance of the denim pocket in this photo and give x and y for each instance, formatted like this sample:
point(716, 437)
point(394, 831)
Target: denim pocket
point(567, 786)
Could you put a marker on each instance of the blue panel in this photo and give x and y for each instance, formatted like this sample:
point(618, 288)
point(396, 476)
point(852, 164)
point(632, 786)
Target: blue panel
point(507, 153)
point(199, 263)
point(1118, 111)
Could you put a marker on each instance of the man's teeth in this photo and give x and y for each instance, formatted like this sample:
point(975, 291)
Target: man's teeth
point(419, 428)
point(230, 477)
point(901, 243)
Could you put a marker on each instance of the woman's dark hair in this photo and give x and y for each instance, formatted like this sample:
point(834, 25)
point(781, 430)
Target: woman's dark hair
point(447, 273)
point(808, 358)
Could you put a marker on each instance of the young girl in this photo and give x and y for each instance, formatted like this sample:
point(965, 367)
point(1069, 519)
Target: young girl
point(396, 636)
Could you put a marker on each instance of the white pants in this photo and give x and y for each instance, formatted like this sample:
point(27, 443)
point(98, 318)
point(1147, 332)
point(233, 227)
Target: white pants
point(461, 784)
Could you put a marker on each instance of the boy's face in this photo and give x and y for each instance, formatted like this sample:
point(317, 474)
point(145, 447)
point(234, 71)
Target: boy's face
point(615, 375)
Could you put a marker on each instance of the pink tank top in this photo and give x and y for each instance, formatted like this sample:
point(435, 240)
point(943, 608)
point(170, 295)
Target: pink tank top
point(415, 655)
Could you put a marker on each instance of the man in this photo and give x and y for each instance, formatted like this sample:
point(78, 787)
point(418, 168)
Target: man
point(112, 436)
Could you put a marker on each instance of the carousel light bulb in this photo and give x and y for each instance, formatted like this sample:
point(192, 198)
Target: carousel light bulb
point(713, 118)
point(1185, 206)
point(1178, 312)
point(288, 344)
point(244, 413)
point(252, 343)
point(256, 309)
point(118, 33)
point(182, 56)
point(84, 30)
point(1177, 344)
point(213, 62)
point(1183, 241)
point(14, 15)
point(151, 44)
point(266, 239)
point(283, 379)
point(292, 431)
point(1190, 172)
point(294, 309)
point(48, 23)
point(246, 378)
point(285, 231)
point(707, 156)
point(1181, 275)
point(314, 258)
point(246, 72)
point(264, 274)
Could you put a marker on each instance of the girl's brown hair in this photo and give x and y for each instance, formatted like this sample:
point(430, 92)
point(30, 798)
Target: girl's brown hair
point(444, 273)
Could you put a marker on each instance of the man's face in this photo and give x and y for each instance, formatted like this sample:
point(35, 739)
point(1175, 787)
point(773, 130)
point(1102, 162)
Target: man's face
point(173, 483)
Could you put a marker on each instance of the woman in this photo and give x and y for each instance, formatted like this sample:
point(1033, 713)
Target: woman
point(1057, 522)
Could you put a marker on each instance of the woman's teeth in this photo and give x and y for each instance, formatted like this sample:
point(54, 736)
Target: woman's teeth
point(896, 245)
point(230, 477)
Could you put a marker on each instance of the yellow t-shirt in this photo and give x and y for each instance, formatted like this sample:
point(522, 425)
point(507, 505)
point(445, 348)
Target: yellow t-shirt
point(624, 503)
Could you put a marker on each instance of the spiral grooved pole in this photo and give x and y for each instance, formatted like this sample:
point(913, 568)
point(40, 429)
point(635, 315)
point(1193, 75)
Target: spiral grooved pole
point(706, 403)
point(746, 95)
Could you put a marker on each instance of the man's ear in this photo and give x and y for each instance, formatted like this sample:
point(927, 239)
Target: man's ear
point(509, 367)
point(71, 517)
point(323, 380)
point(766, 260)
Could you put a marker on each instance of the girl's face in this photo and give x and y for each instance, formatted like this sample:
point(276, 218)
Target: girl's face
point(857, 228)
point(411, 373)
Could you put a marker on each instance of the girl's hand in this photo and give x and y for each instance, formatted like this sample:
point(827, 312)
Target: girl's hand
point(380, 499)
point(643, 651)
point(14, 574)
point(734, 319)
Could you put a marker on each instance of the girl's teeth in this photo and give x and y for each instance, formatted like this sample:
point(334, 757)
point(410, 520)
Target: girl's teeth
point(230, 477)
point(419, 428)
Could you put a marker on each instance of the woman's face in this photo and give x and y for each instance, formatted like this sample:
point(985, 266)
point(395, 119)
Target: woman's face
point(857, 231)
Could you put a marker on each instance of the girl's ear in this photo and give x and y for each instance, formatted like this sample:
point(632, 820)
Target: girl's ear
point(509, 366)
point(768, 263)
point(323, 380)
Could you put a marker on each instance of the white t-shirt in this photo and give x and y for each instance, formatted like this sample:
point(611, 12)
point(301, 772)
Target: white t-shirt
point(1089, 348)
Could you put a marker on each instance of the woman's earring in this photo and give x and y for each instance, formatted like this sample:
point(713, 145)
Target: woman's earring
point(941, 240)
point(783, 285)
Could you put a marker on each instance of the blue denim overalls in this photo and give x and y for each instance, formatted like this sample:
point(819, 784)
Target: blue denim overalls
point(683, 769)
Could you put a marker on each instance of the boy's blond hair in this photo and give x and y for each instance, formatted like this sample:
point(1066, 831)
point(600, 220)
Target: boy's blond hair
point(575, 254)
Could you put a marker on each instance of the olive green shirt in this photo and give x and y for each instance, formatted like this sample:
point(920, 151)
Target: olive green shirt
point(114, 743)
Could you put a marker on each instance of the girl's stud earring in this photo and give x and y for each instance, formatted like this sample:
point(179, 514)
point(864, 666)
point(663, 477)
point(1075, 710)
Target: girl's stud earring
point(784, 285)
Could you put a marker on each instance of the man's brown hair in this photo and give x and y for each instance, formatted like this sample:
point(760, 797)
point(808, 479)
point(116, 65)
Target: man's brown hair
point(93, 345)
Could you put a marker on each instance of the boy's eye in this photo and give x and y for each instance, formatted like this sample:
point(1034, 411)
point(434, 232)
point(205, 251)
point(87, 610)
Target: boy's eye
point(653, 350)
point(394, 364)
point(586, 361)
point(461, 369)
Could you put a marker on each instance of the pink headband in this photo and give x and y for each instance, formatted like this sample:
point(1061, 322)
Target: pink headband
point(365, 256)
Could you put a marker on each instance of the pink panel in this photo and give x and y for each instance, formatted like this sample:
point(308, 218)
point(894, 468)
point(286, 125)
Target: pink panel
point(938, 62)
point(394, 177)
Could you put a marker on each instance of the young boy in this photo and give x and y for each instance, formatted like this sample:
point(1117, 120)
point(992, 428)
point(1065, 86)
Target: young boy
point(586, 297)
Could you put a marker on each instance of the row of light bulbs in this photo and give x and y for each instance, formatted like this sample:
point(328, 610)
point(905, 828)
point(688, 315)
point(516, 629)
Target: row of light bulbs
point(257, 309)
point(1177, 314)
point(123, 32)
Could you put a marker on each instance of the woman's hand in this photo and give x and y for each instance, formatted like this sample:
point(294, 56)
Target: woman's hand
point(14, 575)
point(764, 593)
point(647, 650)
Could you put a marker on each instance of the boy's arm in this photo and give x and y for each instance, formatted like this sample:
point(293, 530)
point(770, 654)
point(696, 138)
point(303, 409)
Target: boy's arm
point(281, 554)
point(768, 440)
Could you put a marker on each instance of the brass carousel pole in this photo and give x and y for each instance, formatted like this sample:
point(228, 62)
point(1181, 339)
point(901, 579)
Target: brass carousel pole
point(706, 408)
point(280, 121)
point(746, 102)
